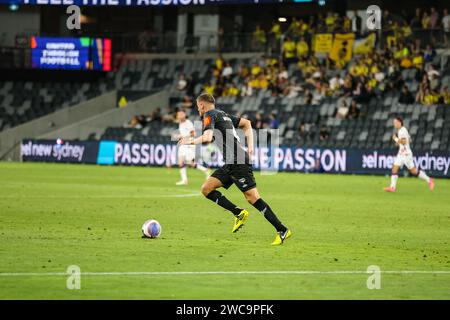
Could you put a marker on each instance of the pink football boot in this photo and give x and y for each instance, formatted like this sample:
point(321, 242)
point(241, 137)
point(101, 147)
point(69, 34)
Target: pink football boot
point(431, 184)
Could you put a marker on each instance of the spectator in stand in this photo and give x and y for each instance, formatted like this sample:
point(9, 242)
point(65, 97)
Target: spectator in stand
point(353, 113)
point(435, 83)
point(156, 115)
point(219, 63)
point(324, 133)
point(431, 72)
point(420, 73)
point(434, 18)
point(170, 116)
point(246, 89)
point(303, 131)
point(429, 54)
point(137, 122)
point(273, 121)
point(445, 95)
point(231, 90)
point(227, 72)
point(259, 122)
point(318, 94)
point(243, 72)
point(289, 51)
point(259, 39)
point(360, 93)
point(209, 88)
point(186, 103)
point(417, 59)
point(406, 96)
point(446, 26)
point(190, 87)
point(336, 82)
point(430, 97)
point(294, 28)
point(416, 22)
point(302, 48)
point(308, 98)
point(275, 30)
point(425, 21)
point(292, 90)
point(283, 74)
point(423, 87)
point(144, 40)
point(342, 109)
point(182, 82)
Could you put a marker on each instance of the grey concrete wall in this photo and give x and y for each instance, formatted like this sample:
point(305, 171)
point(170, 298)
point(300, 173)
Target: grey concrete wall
point(111, 118)
point(52, 122)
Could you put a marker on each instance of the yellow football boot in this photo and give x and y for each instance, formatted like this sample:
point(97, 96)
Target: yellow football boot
point(240, 220)
point(281, 237)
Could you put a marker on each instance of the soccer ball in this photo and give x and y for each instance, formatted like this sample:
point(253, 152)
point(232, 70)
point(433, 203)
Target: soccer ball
point(151, 229)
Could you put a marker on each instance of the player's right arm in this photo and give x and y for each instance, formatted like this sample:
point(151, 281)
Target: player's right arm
point(401, 139)
point(206, 137)
point(246, 126)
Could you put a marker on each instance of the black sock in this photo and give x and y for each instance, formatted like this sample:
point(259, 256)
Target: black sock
point(222, 201)
point(269, 214)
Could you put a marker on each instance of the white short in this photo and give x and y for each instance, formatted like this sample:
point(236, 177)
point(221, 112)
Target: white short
point(404, 160)
point(186, 154)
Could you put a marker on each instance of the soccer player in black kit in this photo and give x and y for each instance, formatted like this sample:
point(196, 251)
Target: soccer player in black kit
point(220, 128)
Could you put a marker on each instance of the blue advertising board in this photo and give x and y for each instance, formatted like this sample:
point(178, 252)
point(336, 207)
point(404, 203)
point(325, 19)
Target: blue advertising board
point(59, 151)
point(294, 159)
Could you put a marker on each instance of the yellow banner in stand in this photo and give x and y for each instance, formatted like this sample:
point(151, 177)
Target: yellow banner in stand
point(323, 42)
point(365, 45)
point(342, 46)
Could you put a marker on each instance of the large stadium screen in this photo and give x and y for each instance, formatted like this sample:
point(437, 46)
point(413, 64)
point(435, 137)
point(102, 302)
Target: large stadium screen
point(71, 53)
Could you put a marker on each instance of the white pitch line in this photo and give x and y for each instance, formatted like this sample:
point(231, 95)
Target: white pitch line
point(186, 195)
point(206, 273)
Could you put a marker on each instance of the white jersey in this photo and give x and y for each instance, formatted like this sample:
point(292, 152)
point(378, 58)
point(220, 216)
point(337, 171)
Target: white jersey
point(186, 128)
point(404, 149)
point(186, 152)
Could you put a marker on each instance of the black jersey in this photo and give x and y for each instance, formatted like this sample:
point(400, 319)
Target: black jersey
point(225, 136)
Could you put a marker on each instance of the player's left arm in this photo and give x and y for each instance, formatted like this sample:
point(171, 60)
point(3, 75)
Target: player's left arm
point(246, 126)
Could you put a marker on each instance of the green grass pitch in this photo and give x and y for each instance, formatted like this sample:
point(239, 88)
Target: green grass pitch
point(53, 216)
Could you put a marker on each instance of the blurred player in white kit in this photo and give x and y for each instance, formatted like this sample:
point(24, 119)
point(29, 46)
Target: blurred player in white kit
point(405, 157)
point(186, 153)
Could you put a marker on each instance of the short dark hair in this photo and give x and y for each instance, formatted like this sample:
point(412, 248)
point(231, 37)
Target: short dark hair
point(206, 97)
point(399, 119)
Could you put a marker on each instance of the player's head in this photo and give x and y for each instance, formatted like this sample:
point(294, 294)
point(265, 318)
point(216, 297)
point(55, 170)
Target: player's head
point(205, 102)
point(181, 115)
point(398, 122)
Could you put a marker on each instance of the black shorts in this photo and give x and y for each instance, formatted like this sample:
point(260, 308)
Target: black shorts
point(239, 174)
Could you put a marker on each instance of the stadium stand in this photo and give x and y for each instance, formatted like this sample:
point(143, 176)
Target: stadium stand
point(21, 102)
point(303, 121)
point(317, 102)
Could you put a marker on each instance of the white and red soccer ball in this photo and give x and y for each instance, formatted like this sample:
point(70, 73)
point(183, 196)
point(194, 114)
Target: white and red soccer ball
point(151, 229)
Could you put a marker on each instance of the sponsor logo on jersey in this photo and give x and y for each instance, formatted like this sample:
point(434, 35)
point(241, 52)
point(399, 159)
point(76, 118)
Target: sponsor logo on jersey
point(206, 121)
